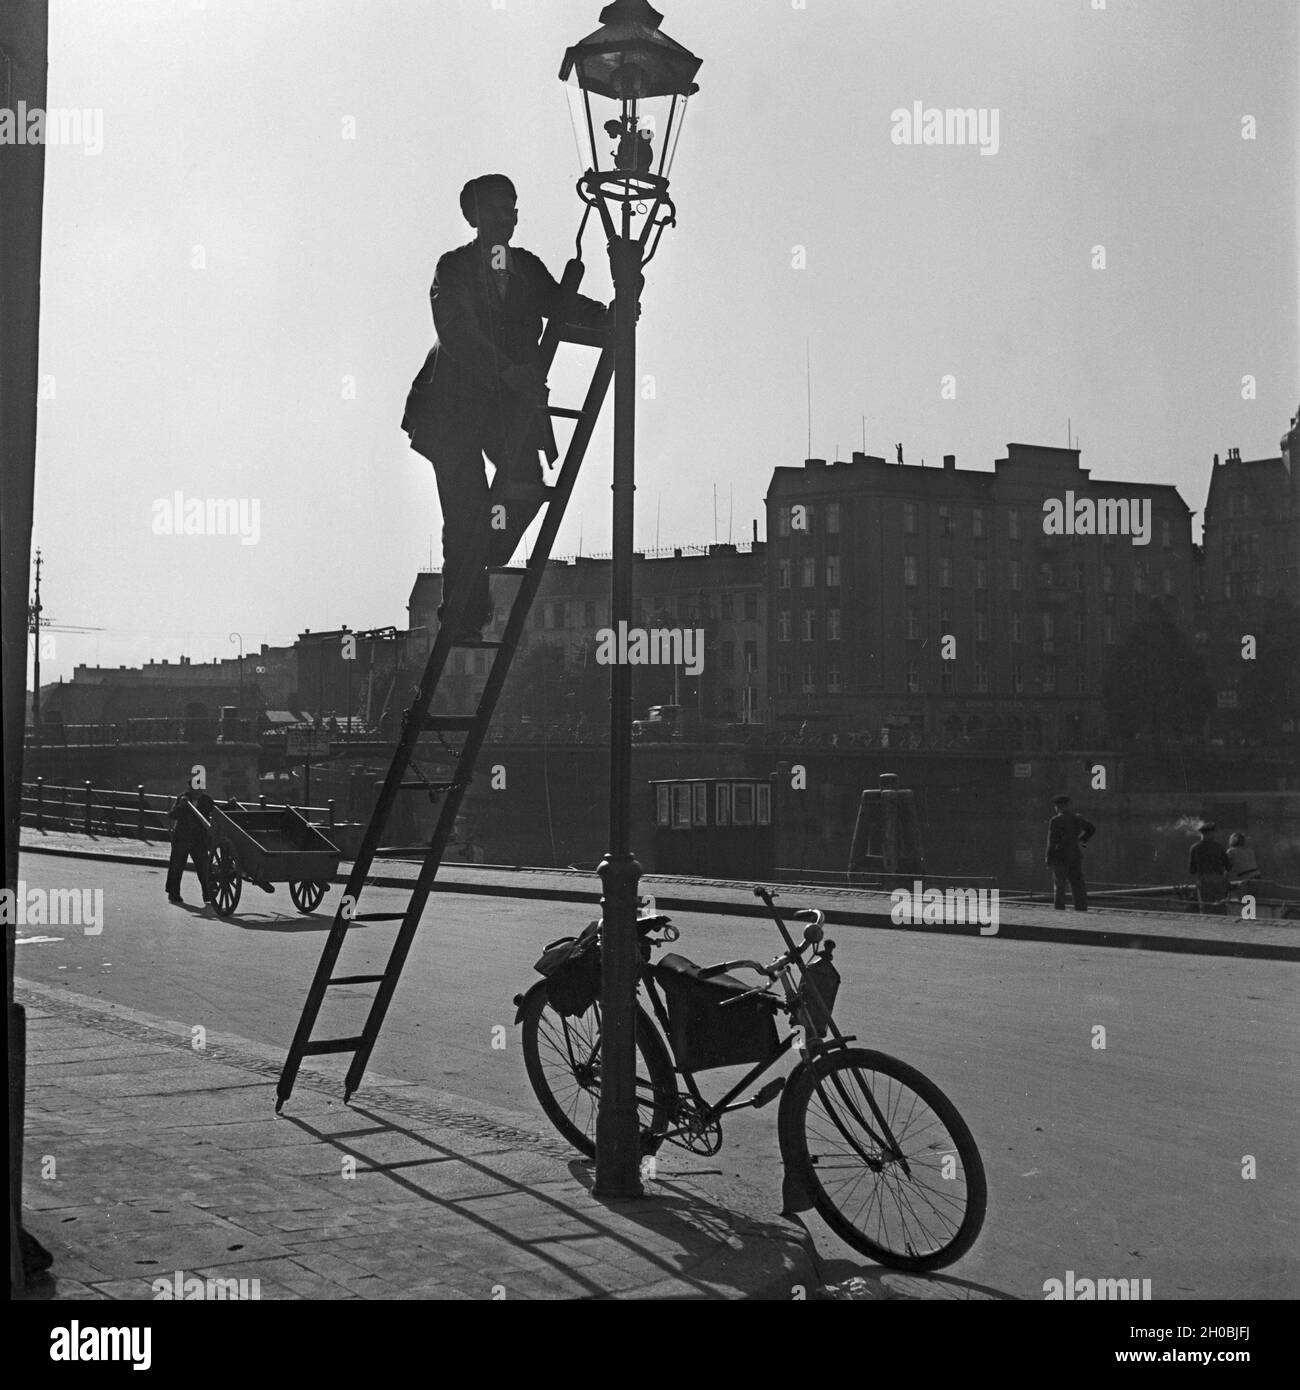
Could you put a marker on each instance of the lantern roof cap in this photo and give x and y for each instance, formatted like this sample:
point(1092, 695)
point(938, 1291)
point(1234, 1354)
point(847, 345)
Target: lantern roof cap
point(630, 35)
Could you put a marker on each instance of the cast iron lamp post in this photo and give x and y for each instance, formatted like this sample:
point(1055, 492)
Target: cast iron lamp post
point(634, 81)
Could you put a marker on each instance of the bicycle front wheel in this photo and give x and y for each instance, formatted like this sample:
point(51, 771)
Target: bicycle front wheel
point(888, 1162)
point(562, 1058)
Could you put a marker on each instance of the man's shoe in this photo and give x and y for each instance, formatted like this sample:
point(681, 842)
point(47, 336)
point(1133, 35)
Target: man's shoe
point(175, 898)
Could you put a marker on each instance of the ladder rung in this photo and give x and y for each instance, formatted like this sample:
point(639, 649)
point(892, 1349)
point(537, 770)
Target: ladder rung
point(565, 412)
point(586, 337)
point(518, 570)
point(490, 642)
point(356, 979)
point(448, 723)
point(424, 787)
point(377, 917)
point(315, 1049)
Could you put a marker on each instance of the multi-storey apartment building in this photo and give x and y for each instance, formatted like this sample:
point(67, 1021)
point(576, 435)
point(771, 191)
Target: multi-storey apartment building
point(971, 605)
point(718, 589)
point(1251, 547)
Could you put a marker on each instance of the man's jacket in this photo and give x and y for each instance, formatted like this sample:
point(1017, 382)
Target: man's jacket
point(1207, 857)
point(1065, 832)
point(480, 335)
point(187, 828)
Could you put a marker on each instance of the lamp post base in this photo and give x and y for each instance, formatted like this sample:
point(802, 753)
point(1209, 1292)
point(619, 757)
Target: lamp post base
point(618, 1129)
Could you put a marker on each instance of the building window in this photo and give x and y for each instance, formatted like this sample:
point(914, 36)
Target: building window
point(1140, 577)
point(751, 656)
point(833, 571)
point(783, 574)
point(1076, 577)
point(722, 804)
point(945, 617)
point(1168, 582)
point(832, 624)
point(548, 619)
point(728, 656)
point(1109, 623)
point(833, 679)
point(1108, 579)
point(977, 523)
point(751, 607)
point(1049, 631)
point(913, 626)
point(782, 680)
point(945, 572)
point(1166, 534)
point(1046, 575)
point(809, 678)
point(981, 573)
point(947, 680)
point(783, 520)
point(1017, 678)
point(945, 520)
point(1080, 680)
point(912, 676)
point(832, 518)
point(909, 571)
point(1078, 627)
point(981, 678)
point(589, 614)
point(981, 626)
point(808, 626)
point(1013, 574)
point(1017, 628)
point(1013, 524)
point(1049, 677)
point(783, 626)
point(808, 572)
point(909, 518)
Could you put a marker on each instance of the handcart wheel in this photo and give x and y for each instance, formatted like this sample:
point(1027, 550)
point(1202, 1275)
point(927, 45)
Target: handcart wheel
point(224, 881)
point(306, 894)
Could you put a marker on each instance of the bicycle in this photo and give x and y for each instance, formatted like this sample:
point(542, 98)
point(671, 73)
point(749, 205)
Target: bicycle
point(876, 1147)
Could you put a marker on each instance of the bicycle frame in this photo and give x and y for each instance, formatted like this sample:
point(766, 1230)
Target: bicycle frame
point(796, 1008)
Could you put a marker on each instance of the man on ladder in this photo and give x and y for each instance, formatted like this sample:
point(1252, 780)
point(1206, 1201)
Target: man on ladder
point(482, 391)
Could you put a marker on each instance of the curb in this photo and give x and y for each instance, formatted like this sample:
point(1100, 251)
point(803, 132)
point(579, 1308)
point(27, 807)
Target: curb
point(835, 916)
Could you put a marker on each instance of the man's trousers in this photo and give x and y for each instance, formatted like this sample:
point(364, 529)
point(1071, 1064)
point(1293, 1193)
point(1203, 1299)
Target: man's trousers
point(1071, 873)
point(481, 525)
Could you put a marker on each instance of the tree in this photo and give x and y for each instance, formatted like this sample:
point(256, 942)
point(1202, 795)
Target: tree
point(1156, 685)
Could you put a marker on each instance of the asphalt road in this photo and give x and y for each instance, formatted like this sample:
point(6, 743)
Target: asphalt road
point(1117, 1162)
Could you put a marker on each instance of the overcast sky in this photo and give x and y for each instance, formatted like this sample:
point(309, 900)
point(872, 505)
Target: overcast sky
point(222, 371)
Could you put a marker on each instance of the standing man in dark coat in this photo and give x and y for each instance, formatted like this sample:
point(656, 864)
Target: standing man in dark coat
point(1067, 833)
point(189, 841)
point(1208, 864)
point(481, 391)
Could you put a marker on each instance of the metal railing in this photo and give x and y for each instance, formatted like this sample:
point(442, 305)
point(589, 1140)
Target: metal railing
point(111, 811)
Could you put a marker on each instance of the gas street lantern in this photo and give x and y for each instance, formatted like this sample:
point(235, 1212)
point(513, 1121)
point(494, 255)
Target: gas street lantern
point(628, 85)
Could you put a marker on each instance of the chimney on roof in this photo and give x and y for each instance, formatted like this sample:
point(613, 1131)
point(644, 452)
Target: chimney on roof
point(814, 463)
point(950, 461)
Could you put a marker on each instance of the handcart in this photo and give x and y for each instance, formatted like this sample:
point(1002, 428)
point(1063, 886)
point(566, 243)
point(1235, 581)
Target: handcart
point(267, 845)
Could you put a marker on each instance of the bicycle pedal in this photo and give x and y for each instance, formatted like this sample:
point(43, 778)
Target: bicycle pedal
point(768, 1093)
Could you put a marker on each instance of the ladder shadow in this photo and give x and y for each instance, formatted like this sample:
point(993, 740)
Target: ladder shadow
point(464, 1206)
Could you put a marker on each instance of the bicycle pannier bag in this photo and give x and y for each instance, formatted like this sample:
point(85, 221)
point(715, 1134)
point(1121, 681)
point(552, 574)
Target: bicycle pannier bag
point(703, 1033)
point(572, 969)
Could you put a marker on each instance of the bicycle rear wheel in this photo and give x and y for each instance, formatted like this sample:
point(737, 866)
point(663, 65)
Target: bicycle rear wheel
point(562, 1058)
point(888, 1162)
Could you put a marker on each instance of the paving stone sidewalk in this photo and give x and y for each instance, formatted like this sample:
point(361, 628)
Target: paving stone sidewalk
point(155, 1157)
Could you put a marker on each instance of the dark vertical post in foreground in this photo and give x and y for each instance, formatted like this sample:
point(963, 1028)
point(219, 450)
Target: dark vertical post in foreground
point(24, 48)
point(618, 1158)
